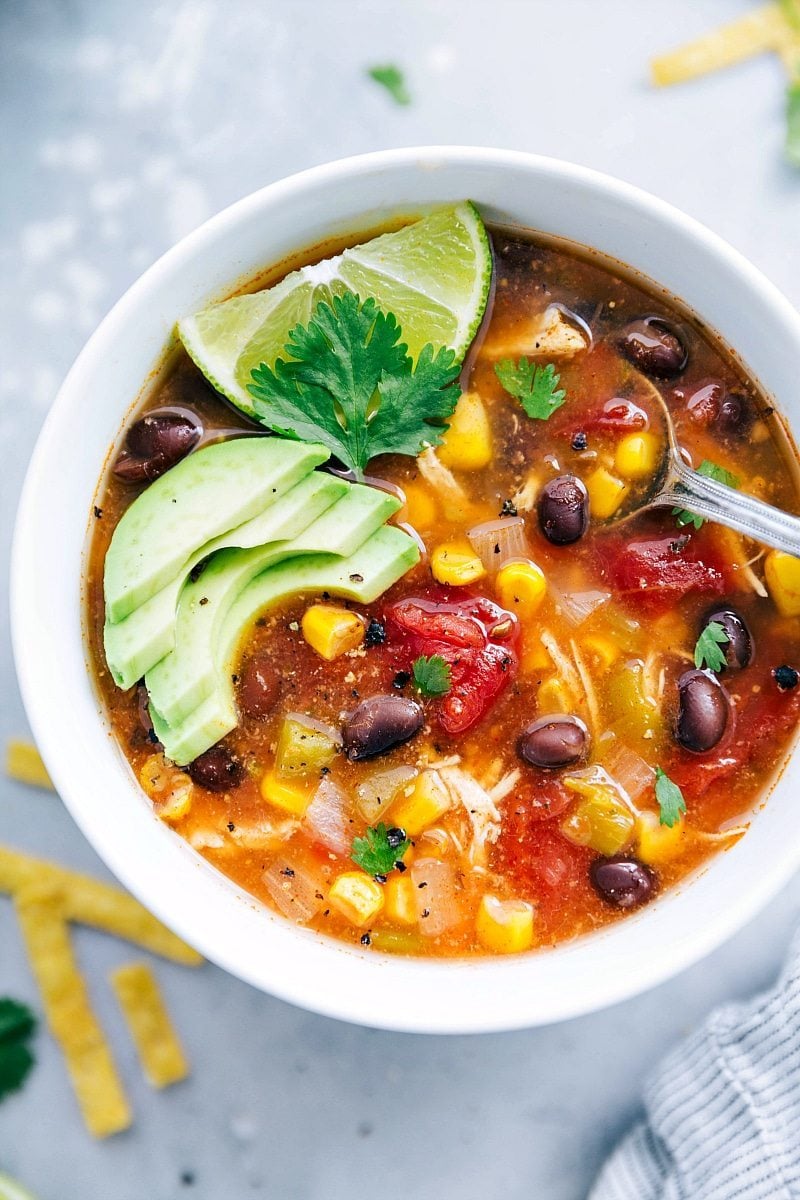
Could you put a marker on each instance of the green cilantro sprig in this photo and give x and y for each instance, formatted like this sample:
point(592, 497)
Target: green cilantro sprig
point(670, 799)
point(348, 381)
point(380, 849)
point(535, 386)
point(431, 675)
point(707, 652)
point(711, 471)
point(390, 76)
point(17, 1026)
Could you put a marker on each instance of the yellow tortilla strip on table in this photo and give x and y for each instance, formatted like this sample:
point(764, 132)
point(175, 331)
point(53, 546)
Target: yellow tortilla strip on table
point(24, 764)
point(154, 1036)
point(100, 905)
point(69, 1012)
point(758, 31)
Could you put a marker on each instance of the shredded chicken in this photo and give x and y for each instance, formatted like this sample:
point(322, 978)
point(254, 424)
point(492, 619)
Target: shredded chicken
point(505, 786)
point(564, 665)
point(549, 335)
point(454, 499)
point(480, 808)
point(588, 686)
point(525, 499)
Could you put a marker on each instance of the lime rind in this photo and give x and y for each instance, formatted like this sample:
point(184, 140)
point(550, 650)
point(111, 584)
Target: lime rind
point(434, 275)
point(10, 1189)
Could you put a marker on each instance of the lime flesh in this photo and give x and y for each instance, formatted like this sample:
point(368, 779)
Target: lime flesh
point(11, 1190)
point(433, 274)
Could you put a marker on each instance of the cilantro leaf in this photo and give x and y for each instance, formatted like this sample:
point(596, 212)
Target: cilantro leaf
point(792, 144)
point(707, 651)
point(431, 675)
point(711, 471)
point(17, 1025)
point(670, 799)
point(535, 386)
point(348, 382)
point(380, 849)
point(391, 77)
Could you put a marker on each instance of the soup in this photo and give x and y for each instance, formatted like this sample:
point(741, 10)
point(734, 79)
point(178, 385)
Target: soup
point(453, 703)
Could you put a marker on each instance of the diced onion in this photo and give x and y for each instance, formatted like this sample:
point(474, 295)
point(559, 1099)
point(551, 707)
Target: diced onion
point(435, 891)
point(498, 542)
point(376, 792)
point(328, 818)
point(630, 771)
point(296, 884)
point(578, 606)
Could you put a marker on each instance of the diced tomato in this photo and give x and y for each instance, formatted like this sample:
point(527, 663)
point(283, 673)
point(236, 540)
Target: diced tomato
point(664, 568)
point(475, 636)
point(536, 854)
point(617, 415)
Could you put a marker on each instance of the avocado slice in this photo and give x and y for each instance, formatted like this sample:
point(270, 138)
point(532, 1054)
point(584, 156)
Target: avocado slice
point(207, 494)
point(362, 576)
point(179, 682)
point(143, 638)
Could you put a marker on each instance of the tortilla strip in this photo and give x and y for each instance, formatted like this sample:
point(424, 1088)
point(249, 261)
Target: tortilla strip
point(68, 1010)
point(90, 902)
point(24, 764)
point(153, 1033)
point(758, 31)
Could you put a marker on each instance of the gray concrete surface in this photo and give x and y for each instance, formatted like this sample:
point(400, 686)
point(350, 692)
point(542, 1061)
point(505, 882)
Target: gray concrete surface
point(124, 126)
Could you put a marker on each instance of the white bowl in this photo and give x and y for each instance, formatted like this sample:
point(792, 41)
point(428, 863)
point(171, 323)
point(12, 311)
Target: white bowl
point(89, 770)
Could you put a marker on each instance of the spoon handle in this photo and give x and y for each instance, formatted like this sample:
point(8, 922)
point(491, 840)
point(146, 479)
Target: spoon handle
point(685, 488)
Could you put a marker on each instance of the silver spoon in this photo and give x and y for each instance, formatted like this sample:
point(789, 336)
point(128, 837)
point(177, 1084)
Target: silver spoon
point(676, 485)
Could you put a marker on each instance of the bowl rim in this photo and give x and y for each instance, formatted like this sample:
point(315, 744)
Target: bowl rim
point(300, 990)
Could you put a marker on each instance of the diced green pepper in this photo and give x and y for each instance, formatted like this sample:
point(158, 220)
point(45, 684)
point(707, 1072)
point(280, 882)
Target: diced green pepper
point(305, 746)
point(632, 714)
point(601, 819)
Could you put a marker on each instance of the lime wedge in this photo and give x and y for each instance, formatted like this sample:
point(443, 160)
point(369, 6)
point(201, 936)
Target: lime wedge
point(434, 275)
point(11, 1190)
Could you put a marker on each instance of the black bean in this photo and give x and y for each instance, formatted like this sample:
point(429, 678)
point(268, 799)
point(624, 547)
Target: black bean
point(216, 770)
point(154, 443)
point(654, 346)
point(736, 415)
point(623, 882)
point(703, 711)
point(259, 686)
point(564, 510)
point(380, 723)
point(738, 649)
point(558, 741)
point(703, 400)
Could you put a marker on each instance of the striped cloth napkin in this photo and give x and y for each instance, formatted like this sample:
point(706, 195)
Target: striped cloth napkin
point(723, 1110)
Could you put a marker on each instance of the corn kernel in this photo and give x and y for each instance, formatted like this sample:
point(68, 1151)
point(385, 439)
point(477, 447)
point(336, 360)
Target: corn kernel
point(600, 819)
point(467, 444)
point(420, 507)
point(293, 797)
point(783, 581)
point(554, 696)
point(168, 787)
point(357, 897)
point(601, 648)
point(521, 588)
point(606, 493)
point(504, 926)
point(331, 630)
point(456, 563)
point(427, 802)
point(534, 655)
point(399, 902)
point(637, 455)
point(657, 843)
